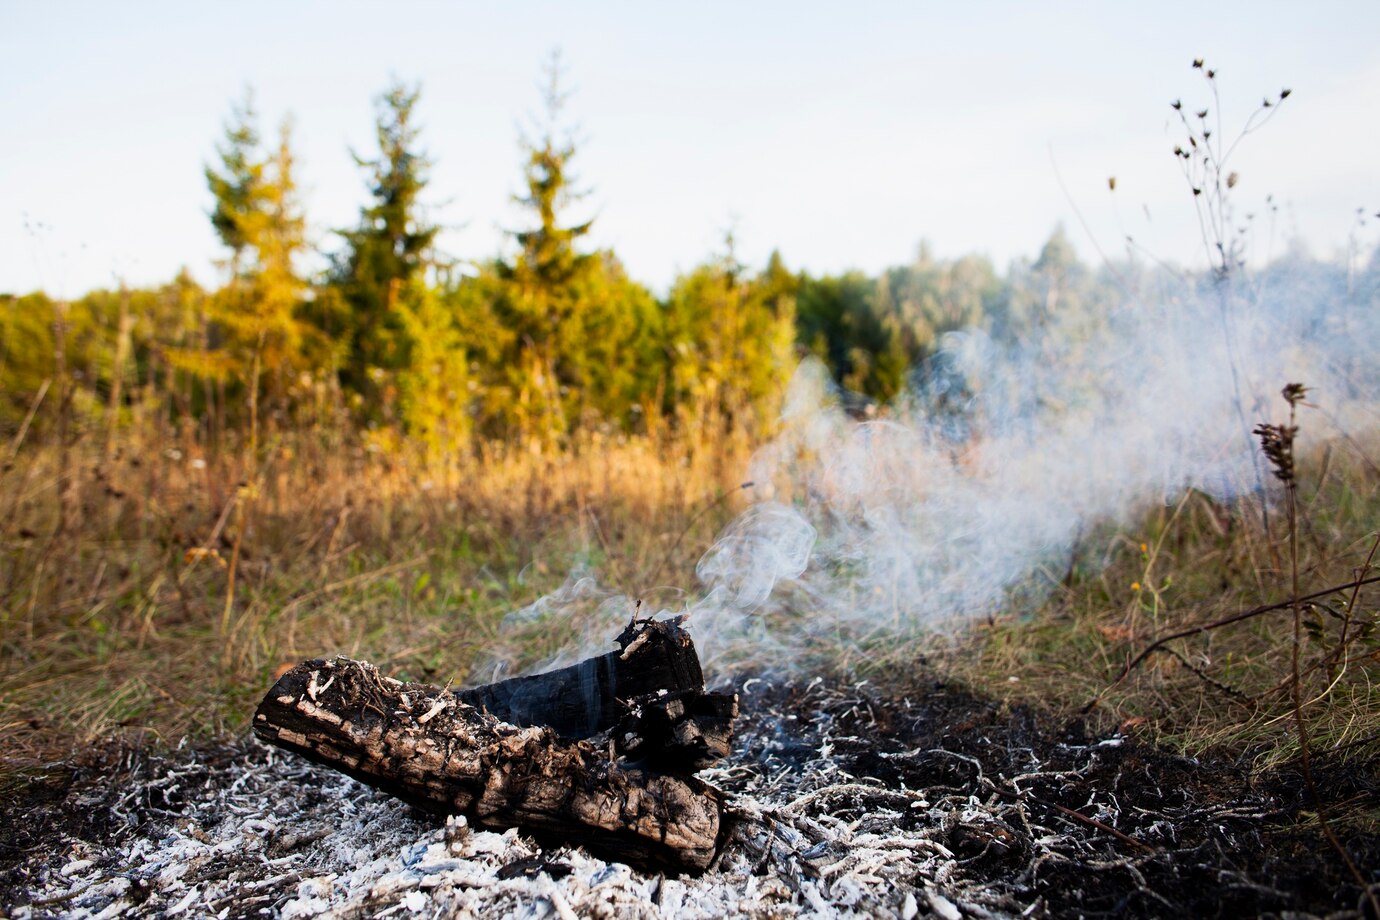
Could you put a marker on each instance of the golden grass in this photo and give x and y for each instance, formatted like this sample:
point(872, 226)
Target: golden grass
point(156, 590)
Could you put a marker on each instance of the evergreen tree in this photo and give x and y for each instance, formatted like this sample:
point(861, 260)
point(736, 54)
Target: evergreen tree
point(237, 185)
point(175, 336)
point(729, 344)
point(1053, 291)
point(933, 297)
point(541, 300)
point(262, 324)
point(434, 390)
point(849, 323)
point(258, 218)
point(390, 248)
point(611, 349)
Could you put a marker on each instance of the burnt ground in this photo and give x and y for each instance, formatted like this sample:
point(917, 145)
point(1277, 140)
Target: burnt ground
point(1174, 836)
point(851, 802)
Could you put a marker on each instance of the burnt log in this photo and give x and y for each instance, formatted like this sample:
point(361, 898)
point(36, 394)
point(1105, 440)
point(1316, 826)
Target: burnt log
point(677, 732)
point(622, 791)
point(591, 697)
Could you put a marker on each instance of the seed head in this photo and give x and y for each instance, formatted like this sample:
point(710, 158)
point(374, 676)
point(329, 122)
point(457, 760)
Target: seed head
point(1277, 441)
point(1277, 444)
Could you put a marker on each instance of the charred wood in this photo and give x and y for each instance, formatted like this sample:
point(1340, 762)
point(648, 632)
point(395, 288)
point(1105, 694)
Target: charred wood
point(589, 697)
point(621, 791)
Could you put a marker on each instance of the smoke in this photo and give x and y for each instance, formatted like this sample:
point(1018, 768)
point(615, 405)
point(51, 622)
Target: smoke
point(981, 483)
point(973, 493)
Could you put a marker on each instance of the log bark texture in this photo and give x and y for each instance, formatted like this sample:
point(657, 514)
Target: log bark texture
point(439, 751)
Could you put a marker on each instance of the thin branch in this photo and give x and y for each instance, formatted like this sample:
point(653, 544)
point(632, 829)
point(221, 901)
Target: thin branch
point(1227, 621)
point(1107, 828)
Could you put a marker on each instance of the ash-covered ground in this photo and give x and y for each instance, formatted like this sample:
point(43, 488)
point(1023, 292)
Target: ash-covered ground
point(851, 803)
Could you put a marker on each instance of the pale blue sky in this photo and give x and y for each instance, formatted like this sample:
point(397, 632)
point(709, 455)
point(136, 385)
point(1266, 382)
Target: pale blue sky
point(843, 134)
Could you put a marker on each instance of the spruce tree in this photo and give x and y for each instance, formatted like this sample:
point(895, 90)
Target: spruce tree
point(237, 184)
point(391, 247)
point(582, 341)
point(258, 218)
point(541, 302)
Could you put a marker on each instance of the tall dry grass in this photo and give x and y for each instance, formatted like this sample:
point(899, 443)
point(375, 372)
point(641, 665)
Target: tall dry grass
point(1189, 565)
point(154, 587)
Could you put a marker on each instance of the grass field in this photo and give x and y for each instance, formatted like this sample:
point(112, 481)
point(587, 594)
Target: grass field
point(156, 590)
point(152, 589)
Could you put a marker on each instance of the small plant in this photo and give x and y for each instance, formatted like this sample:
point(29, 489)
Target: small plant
point(1277, 444)
point(1205, 158)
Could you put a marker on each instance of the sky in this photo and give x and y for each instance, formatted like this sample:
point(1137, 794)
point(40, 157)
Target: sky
point(842, 135)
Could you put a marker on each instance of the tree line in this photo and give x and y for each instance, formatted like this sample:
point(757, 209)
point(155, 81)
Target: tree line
point(530, 347)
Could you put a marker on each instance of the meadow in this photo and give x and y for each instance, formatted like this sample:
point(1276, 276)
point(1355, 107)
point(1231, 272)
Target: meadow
point(152, 588)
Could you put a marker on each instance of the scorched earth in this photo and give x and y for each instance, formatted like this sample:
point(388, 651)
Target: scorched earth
point(848, 802)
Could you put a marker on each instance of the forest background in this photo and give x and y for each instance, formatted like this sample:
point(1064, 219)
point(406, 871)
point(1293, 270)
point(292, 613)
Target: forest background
point(449, 354)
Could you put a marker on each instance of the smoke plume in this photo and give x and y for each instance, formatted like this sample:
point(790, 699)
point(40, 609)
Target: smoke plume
point(972, 493)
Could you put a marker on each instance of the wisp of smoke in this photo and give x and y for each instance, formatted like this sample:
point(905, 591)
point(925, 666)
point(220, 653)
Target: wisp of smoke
point(974, 489)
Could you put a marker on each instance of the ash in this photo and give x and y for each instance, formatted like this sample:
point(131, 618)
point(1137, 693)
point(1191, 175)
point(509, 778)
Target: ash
point(848, 803)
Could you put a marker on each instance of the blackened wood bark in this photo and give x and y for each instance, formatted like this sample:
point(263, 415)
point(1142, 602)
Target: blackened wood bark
point(450, 752)
point(424, 746)
point(591, 697)
point(677, 732)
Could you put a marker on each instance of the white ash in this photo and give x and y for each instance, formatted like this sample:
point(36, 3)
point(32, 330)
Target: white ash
point(252, 831)
point(290, 839)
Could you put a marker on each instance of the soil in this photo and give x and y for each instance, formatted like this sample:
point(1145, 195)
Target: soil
point(849, 802)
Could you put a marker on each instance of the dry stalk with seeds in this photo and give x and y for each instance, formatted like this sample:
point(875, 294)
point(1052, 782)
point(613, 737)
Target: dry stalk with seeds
point(1277, 444)
point(1205, 158)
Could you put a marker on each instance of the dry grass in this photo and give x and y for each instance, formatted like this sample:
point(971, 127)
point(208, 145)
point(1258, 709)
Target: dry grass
point(1224, 688)
point(156, 590)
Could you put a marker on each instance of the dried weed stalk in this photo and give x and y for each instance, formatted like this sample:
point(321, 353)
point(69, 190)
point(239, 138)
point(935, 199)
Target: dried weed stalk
point(1277, 443)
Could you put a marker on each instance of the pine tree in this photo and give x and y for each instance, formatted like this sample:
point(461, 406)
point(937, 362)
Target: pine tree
point(541, 300)
point(259, 219)
point(392, 246)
